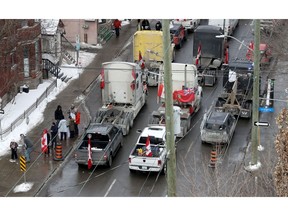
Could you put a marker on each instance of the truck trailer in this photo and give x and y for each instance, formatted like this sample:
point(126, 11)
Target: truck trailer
point(187, 95)
point(148, 52)
point(123, 94)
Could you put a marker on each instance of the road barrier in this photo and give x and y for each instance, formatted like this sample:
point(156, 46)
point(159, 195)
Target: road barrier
point(58, 152)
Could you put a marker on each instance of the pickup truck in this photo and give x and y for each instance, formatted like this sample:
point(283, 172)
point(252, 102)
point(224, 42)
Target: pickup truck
point(106, 140)
point(139, 160)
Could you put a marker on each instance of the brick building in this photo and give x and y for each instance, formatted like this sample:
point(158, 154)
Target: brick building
point(20, 56)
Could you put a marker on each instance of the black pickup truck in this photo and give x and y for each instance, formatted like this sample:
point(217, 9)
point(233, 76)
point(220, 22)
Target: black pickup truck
point(105, 140)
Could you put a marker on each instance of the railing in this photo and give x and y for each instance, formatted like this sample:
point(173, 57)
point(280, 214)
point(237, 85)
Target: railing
point(51, 67)
point(5, 131)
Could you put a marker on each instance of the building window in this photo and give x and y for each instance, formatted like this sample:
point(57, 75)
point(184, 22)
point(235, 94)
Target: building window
point(24, 23)
point(37, 55)
point(26, 61)
point(85, 38)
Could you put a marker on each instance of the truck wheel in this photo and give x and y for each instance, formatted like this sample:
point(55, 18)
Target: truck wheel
point(164, 169)
point(110, 160)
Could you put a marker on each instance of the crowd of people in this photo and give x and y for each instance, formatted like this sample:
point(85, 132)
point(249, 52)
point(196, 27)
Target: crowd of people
point(61, 128)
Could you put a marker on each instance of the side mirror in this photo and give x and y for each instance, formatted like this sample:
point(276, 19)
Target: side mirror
point(139, 131)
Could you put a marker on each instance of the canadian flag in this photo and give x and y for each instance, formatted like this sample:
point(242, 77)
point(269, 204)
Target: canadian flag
point(89, 154)
point(44, 141)
point(226, 60)
point(249, 51)
point(141, 61)
point(198, 55)
point(102, 81)
point(160, 90)
point(148, 152)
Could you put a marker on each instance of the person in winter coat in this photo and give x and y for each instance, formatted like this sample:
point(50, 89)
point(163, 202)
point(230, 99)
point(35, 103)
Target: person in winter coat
point(145, 25)
point(13, 147)
point(58, 113)
point(158, 26)
point(63, 129)
point(71, 126)
point(77, 121)
point(117, 27)
point(54, 134)
point(28, 146)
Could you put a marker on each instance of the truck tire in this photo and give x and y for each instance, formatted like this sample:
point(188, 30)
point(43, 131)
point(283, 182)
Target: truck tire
point(110, 161)
point(164, 169)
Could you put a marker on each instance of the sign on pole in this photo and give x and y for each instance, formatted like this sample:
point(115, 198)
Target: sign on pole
point(261, 124)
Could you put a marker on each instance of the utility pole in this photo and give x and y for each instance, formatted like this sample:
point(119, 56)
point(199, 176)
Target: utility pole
point(255, 108)
point(171, 162)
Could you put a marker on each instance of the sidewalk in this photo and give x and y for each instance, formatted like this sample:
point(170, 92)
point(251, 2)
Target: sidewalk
point(41, 167)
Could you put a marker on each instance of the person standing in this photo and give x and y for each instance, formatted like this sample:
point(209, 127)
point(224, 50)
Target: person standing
point(54, 134)
point(58, 114)
point(71, 124)
point(117, 27)
point(77, 121)
point(13, 146)
point(28, 147)
point(63, 129)
point(158, 26)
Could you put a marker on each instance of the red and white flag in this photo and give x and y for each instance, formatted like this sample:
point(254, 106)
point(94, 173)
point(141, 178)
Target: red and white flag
point(160, 92)
point(141, 61)
point(44, 141)
point(148, 148)
point(102, 81)
point(89, 154)
point(250, 51)
point(226, 60)
point(198, 55)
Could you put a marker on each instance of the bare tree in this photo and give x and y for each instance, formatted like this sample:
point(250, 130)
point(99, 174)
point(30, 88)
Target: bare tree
point(281, 145)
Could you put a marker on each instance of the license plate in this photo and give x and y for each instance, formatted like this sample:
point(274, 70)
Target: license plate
point(144, 167)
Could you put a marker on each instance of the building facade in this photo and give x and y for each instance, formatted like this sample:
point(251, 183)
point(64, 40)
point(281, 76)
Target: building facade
point(87, 29)
point(20, 56)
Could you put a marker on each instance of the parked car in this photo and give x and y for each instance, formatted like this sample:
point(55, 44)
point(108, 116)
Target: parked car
point(189, 24)
point(217, 127)
point(178, 34)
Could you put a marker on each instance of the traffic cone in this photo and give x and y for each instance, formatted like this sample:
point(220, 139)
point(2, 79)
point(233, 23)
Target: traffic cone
point(213, 159)
point(58, 152)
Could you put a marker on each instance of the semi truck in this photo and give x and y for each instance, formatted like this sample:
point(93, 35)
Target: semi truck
point(208, 53)
point(187, 95)
point(148, 52)
point(123, 94)
point(236, 97)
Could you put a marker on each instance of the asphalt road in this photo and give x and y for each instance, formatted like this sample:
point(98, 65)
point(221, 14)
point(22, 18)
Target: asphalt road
point(194, 176)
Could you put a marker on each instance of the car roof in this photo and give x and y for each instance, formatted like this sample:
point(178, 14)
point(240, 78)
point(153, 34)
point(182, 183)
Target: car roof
point(217, 117)
point(156, 131)
point(99, 128)
point(175, 27)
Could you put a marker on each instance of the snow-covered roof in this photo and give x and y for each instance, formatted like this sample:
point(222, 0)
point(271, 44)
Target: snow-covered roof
point(49, 26)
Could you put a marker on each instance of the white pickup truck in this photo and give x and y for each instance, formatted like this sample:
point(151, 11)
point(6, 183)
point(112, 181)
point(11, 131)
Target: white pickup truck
point(140, 160)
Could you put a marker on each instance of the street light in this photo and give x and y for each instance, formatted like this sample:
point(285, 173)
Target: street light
point(241, 42)
point(254, 164)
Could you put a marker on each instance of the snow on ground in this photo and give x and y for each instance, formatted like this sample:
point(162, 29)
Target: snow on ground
point(24, 100)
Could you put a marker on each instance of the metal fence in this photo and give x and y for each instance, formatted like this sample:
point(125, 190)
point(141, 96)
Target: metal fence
point(5, 131)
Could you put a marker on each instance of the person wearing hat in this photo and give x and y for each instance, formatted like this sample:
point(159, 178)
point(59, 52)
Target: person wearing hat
point(13, 147)
point(28, 146)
